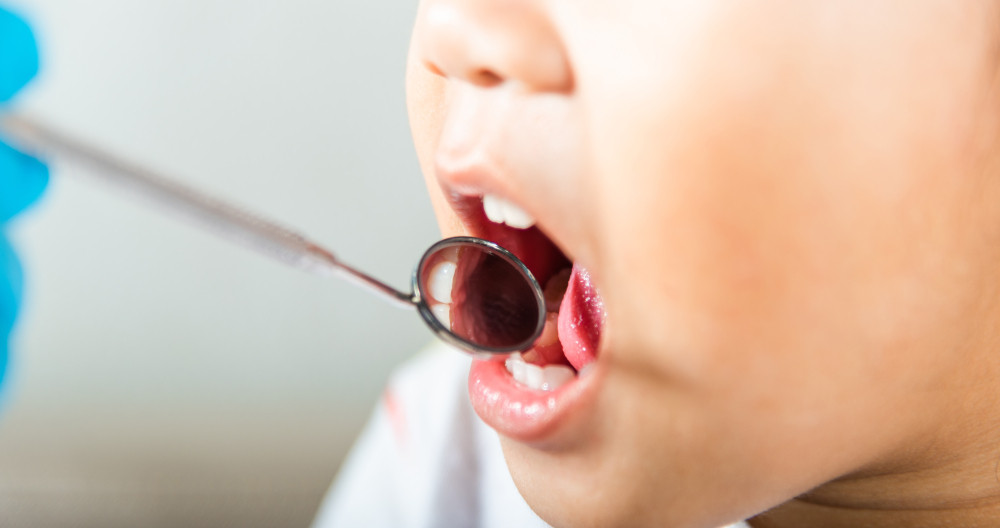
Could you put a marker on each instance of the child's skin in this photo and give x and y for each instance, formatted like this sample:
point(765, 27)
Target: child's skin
point(792, 210)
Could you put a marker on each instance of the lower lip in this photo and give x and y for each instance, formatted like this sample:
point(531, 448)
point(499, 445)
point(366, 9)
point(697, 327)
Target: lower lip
point(524, 414)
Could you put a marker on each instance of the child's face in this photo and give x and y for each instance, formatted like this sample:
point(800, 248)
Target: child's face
point(788, 208)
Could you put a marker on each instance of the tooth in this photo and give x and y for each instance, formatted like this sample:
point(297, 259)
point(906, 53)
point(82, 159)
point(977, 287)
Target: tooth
point(493, 207)
point(511, 359)
point(533, 376)
point(555, 376)
point(501, 211)
point(587, 369)
point(520, 371)
point(515, 365)
point(524, 373)
point(442, 312)
point(547, 378)
point(516, 217)
point(441, 279)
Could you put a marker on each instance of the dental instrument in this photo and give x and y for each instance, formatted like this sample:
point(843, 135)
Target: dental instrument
point(472, 293)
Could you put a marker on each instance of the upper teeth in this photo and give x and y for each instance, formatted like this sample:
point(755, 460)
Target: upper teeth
point(503, 212)
point(440, 282)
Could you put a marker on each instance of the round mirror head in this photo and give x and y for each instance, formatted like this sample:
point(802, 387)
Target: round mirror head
point(478, 296)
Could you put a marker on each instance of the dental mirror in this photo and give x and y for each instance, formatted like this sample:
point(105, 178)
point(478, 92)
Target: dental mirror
point(472, 293)
point(478, 296)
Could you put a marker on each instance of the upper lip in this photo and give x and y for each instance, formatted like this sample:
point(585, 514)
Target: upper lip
point(465, 198)
point(465, 178)
point(475, 154)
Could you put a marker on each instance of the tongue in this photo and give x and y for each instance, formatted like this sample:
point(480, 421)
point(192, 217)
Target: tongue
point(581, 316)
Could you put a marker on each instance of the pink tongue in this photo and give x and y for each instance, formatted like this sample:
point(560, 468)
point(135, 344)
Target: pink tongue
point(581, 316)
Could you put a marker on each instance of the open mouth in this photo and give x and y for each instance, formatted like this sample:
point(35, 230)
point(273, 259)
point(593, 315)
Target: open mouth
point(527, 395)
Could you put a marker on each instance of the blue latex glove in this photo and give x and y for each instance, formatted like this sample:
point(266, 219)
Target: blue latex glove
point(22, 178)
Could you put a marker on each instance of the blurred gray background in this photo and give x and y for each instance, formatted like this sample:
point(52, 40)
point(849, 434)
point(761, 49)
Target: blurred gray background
point(160, 377)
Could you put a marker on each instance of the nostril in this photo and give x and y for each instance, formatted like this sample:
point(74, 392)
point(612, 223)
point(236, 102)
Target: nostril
point(485, 78)
point(431, 67)
point(491, 43)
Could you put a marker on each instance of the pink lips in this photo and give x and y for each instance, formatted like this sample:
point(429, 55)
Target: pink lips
point(529, 415)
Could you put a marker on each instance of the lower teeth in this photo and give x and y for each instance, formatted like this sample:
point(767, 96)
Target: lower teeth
point(547, 378)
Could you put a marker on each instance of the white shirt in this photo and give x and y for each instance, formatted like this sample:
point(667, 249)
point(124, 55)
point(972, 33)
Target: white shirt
point(425, 460)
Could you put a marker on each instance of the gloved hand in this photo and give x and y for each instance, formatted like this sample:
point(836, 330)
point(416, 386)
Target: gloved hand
point(22, 178)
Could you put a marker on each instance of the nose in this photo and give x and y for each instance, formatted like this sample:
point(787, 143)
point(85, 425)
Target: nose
point(492, 42)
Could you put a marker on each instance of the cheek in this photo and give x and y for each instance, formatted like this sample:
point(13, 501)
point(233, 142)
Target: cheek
point(772, 252)
point(784, 247)
point(821, 211)
point(761, 299)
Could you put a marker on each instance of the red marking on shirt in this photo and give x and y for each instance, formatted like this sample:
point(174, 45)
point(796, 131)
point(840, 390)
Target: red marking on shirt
point(397, 419)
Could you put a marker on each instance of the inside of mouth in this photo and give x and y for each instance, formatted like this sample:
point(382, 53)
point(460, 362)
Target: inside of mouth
point(568, 342)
